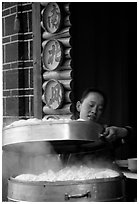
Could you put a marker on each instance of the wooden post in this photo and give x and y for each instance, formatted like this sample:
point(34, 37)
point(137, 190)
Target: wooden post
point(52, 70)
point(37, 76)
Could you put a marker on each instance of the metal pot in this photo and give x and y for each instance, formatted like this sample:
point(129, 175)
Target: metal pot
point(65, 136)
point(108, 189)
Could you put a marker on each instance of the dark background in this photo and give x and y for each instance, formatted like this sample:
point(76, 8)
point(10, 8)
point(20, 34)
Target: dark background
point(104, 42)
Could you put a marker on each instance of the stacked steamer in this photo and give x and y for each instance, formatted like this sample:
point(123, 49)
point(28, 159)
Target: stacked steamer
point(49, 183)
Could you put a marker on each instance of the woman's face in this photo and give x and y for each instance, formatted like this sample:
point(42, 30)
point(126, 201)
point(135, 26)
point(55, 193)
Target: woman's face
point(92, 107)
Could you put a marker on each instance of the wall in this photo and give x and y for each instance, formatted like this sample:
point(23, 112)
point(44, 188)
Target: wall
point(105, 57)
point(17, 61)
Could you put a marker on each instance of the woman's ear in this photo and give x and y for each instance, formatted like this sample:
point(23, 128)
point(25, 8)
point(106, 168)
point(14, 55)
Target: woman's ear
point(78, 106)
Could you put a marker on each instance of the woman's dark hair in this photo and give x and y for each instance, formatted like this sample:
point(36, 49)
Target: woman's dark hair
point(93, 90)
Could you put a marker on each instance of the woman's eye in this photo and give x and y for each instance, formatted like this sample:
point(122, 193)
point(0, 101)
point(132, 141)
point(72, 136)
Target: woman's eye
point(100, 108)
point(91, 105)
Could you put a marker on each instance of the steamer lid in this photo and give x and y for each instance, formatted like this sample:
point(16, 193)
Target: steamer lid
point(64, 136)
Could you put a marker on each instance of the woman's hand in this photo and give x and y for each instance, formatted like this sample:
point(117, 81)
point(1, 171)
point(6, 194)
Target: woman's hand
point(113, 133)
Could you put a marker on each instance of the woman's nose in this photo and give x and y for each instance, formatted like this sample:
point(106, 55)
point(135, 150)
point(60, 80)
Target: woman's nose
point(94, 109)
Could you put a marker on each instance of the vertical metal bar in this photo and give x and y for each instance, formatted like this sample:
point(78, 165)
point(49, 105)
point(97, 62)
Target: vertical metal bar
point(37, 76)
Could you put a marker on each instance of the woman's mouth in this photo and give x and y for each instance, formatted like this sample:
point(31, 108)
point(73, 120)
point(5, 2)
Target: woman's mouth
point(92, 117)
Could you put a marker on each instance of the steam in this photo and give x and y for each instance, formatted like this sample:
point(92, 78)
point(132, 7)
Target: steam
point(91, 159)
point(39, 157)
point(32, 158)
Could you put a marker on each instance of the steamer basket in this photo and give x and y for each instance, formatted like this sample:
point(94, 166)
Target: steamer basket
point(108, 189)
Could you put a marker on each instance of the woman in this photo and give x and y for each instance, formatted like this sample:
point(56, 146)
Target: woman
point(91, 107)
